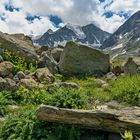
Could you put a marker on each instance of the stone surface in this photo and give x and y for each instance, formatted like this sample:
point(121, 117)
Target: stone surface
point(79, 59)
point(117, 70)
point(100, 82)
point(19, 44)
point(28, 83)
point(7, 84)
point(6, 68)
point(132, 66)
point(43, 75)
point(110, 76)
point(21, 75)
point(56, 53)
point(46, 60)
point(65, 85)
point(106, 119)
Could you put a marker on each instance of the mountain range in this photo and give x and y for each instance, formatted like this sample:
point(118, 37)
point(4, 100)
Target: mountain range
point(126, 40)
point(89, 35)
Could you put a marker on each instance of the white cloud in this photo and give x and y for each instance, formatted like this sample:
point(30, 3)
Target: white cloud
point(79, 12)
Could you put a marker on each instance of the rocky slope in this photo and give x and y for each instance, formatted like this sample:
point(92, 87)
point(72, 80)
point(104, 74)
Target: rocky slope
point(19, 44)
point(126, 40)
point(89, 34)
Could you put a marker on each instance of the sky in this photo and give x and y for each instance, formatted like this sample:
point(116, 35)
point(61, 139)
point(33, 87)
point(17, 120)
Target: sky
point(34, 17)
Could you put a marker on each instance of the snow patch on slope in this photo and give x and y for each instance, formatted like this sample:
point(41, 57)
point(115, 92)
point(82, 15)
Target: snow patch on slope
point(118, 47)
point(77, 30)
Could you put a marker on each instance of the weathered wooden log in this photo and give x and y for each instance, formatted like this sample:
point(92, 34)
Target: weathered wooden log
point(105, 119)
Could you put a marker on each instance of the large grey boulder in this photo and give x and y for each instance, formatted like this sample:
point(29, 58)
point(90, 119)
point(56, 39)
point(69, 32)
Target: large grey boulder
point(79, 59)
point(6, 68)
point(20, 45)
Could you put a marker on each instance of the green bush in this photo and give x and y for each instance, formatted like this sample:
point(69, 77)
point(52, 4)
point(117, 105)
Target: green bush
point(20, 64)
point(68, 98)
point(5, 100)
point(126, 89)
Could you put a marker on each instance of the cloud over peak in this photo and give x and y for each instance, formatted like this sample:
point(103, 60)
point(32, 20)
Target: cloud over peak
point(36, 17)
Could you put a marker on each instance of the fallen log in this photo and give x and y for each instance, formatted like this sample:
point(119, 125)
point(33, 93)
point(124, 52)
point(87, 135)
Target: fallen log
point(105, 119)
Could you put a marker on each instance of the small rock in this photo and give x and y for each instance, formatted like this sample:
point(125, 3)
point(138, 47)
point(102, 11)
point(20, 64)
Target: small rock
point(6, 68)
point(43, 75)
point(11, 76)
point(110, 76)
point(26, 72)
point(69, 85)
point(100, 82)
point(13, 107)
point(21, 75)
point(105, 86)
point(28, 83)
point(16, 79)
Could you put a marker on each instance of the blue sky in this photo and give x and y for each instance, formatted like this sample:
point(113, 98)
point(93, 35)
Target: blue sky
point(37, 16)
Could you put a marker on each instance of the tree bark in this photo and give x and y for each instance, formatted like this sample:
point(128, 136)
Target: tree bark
point(105, 119)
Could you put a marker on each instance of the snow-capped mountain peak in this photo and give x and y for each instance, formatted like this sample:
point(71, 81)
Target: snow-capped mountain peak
point(89, 35)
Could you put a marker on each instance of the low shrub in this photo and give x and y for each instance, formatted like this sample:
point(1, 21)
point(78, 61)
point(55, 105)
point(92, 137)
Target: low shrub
point(126, 89)
point(20, 64)
point(68, 98)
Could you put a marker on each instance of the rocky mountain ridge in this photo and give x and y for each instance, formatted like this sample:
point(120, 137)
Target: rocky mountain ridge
point(89, 35)
point(126, 40)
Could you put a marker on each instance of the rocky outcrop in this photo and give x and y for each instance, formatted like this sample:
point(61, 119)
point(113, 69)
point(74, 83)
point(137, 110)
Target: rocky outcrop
point(6, 68)
point(79, 59)
point(102, 118)
point(20, 45)
point(132, 66)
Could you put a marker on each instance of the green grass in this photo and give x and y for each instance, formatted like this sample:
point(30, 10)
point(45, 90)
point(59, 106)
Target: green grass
point(22, 123)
